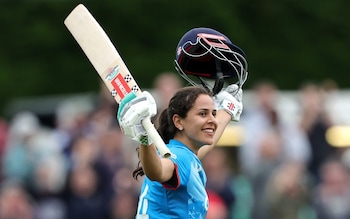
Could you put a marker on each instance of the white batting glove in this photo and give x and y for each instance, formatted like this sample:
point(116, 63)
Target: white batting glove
point(230, 99)
point(132, 110)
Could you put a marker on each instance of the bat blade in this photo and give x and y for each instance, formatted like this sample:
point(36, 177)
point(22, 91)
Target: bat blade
point(101, 52)
point(107, 62)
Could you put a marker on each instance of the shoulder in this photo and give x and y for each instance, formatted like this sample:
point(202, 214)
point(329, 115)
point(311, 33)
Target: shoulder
point(182, 156)
point(180, 152)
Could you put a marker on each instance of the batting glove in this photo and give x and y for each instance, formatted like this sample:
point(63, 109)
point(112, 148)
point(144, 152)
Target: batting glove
point(230, 99)
point(132, 110)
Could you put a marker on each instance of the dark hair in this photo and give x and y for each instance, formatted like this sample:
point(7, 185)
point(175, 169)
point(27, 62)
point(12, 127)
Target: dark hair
point(179, 104)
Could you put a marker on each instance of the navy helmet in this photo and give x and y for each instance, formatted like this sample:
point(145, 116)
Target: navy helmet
point(205, 53)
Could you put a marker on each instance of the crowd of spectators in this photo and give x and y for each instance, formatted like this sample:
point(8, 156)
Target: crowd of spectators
point(82, 167)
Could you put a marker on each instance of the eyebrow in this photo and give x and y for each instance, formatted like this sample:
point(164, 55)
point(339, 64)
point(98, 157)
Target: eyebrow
point(206, 109)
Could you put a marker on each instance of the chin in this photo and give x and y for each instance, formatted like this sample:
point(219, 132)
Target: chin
point(209, 142)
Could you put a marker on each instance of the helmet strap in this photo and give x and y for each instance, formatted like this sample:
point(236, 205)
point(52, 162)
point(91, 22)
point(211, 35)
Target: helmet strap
point(204, 84)
point(219, 81)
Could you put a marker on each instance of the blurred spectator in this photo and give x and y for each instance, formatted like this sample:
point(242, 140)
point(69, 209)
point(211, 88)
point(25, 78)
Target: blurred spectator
point(49, 178)
point(50, 208)
point(123, 182)
point(50, 169)
point(111, 154)
point(332, 196)
point(220, 176)
point(165, 86)
point(217, 207)
point(15, 202)
point(270, 149)
point(18, 162)
point(100, 121)
point(230, 194)
point(315, 121)
point(70, 121)
point(34, 159)
point(244, 202)
point(84, 152)
point(124, 204)
point(334, 103)
point(264, 115)
point(288, 194)
point(110, 160)
point(269, 141)
point(84, 199)
point(125, 195)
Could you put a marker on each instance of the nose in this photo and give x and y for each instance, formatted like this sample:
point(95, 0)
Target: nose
point(212, 119)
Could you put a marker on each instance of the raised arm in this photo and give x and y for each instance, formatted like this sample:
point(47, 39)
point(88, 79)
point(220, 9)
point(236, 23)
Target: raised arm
point(130, 116)
point(155, 167)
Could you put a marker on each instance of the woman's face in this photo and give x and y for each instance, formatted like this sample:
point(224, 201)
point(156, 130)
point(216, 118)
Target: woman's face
point(199, 126)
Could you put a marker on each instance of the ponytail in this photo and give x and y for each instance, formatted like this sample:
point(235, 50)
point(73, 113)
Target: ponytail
point(166, 127)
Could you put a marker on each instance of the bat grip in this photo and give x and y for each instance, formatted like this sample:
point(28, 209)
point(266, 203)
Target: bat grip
point(157, 140)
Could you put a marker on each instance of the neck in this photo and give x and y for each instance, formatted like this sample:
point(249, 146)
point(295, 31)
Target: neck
point(184, 140)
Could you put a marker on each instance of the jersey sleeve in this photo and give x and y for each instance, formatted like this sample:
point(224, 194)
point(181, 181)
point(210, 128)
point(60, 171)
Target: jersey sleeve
point(181, 173)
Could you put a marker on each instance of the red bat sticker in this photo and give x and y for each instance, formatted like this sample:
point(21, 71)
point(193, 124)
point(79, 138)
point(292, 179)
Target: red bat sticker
point(121, 86)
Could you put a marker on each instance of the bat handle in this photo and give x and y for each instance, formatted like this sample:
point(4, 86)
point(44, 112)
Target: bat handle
point(157, 140)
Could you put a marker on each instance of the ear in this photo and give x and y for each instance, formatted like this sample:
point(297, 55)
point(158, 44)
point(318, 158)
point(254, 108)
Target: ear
point(177, 122)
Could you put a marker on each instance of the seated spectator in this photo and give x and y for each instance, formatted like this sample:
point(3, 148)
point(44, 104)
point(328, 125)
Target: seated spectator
point(332, 196)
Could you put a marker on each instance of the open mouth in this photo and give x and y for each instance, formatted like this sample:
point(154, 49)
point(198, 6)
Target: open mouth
point(209, 130)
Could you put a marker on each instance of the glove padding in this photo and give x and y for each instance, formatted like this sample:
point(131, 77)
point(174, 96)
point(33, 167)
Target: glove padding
point(132, 110)
point(230, 99)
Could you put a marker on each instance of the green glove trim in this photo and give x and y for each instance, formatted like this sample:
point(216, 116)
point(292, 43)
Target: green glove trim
point(130, 96)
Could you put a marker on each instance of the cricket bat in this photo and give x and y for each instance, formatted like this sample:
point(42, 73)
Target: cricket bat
point(108, 63)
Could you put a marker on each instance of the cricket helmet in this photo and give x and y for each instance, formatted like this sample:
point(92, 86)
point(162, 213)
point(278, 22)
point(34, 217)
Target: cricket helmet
point(204, 53)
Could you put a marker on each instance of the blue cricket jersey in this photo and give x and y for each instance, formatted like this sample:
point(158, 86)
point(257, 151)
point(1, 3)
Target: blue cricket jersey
point(185, 198)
